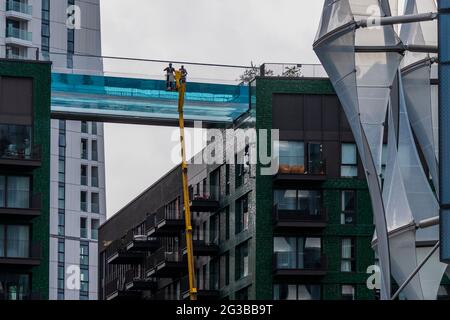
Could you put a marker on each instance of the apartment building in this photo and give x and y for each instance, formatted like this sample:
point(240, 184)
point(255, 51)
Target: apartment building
point(24, 179)
point(63, 32)
point(303, 233)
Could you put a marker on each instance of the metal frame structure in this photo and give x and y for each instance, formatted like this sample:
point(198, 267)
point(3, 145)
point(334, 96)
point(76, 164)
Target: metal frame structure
point(380, 64)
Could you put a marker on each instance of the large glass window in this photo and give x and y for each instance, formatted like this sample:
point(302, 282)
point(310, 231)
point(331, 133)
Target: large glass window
point(15, 241)
point(94, 177)
point(83, 201)
point(348, 206)
point(15, 141)
point(14, 286)
point(95, 224)
point(214, 229)
point(292, 157)
point(84, 127)
point(242, 261)
point(296, 292)
point(315, 161)
point(94, 150)
point(348, 263)
point(95, 202)
point(349, 164)
point(307, 202)
point(84, 175)
point(83, 228)
point(84, 149)
point(298, 252)
point(18, 192)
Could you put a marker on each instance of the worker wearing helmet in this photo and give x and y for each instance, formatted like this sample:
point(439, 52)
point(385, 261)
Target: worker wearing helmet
point(170, 77)
point(184, 74)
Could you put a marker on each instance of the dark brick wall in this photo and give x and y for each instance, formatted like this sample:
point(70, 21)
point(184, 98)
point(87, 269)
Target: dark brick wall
point(41, 75)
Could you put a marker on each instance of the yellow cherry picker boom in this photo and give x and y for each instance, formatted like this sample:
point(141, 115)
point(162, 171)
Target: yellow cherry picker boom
point(181, 88)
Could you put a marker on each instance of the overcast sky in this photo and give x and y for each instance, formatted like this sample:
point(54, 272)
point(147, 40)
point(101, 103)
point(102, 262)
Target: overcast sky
point(212, 31)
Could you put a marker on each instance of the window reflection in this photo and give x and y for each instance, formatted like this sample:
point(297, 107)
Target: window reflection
point(15, 141)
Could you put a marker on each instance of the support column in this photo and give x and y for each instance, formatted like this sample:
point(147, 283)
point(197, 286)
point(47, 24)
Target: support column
point(444, 128)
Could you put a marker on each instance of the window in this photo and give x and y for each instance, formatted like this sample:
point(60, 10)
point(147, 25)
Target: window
point(239, 173)
point(296, 292)
point(214, 229)
point(214, 274)
point(15, 141)
point(61, 251)
point(348, 255)
point(15, 192)
point(242, 214)
point(214, 185)
point(242, 262)
point(298, 253)
point(95, 224)
point(84, 270)
point(83, 201)
point(83, 228)
point(14, 286)
point(14, 241)
point(61, 269)
point(94, 150)
point(348, 207)
point(61, 222)
point(95, 203)
point(316, 164)
point(349, 165)
point(348, 292)
point(84, 149)
point(61, 196)
point(307, 202)
point(94, 128)
point(225, 264)
point(292, 157)
point(94, 177)
point(84, 127)
point(84, 175)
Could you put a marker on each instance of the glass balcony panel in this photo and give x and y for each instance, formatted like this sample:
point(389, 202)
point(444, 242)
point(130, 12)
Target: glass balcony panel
point(13, 32)
point(19, 7)
point(292, 157)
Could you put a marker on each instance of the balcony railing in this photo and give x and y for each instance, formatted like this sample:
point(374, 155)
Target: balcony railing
point(12, 32)
point(31, 209)
point(22, 252)
point(293, 218)
point(19, 7)
point(313, 168)
point(299, 262)
point(162, 255)
point(15, 153)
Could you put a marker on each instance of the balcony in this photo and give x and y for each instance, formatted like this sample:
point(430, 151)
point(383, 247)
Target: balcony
point(204, 203)
point(18, 36)
point(114, 290)
point(203, 293)
point(164, 224)
point(201, 248)
point(29, 255)
point(289, 219)
point(313, 171)
point(140, 243)
point(18, 10)
point(21, 156)
point(307, 264)
point(163, 264)
point(32, 211)
point(116, 254)
point(135, 282)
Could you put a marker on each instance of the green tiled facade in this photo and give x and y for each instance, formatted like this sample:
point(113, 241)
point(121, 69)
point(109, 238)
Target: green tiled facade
point(332, 233)
point(41, 74)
